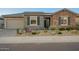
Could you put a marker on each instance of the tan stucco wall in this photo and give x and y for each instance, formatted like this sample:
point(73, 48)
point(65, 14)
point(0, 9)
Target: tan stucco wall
point(14, 23)
point(77, 20)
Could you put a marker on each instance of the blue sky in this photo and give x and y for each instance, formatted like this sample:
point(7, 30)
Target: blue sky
point(4, 11)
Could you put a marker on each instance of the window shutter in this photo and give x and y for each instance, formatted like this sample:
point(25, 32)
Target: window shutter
point(28, 20)
point(38, 20)
point(59, 20)
point(68, 20)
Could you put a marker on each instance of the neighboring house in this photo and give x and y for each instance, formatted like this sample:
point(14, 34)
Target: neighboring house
point(41, 20)
point(1, 23)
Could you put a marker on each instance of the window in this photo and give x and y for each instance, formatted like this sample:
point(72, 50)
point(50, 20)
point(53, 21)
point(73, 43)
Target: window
point(33, 20)
point(63, 20)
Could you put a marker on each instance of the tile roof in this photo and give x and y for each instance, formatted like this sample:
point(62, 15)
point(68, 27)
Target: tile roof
point(37, 13)
point(65, 9)
point(14, 15)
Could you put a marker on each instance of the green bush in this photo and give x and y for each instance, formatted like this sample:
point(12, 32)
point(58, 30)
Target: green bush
point(17, 31)
point(59, 33)
point(61, 29)
point(69, 28)
point(34, 33)
point(77, 27)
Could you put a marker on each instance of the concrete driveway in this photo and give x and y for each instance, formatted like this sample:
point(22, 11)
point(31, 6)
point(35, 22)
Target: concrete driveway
point(7, 33)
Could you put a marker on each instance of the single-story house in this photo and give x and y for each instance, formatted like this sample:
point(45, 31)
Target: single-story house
point(41, 20)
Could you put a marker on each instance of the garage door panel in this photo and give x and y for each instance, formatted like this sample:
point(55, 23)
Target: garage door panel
point(14, 24)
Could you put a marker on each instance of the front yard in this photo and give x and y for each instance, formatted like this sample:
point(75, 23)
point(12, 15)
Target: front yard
point(13, 33)
point(50, 33)
point(39, 36)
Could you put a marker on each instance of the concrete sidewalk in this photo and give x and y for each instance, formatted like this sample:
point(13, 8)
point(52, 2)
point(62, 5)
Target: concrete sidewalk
point(39, 39)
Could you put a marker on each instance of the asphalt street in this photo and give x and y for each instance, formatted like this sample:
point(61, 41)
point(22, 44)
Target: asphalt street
point(40, 47)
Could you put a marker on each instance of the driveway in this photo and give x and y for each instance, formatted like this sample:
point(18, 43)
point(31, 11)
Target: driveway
point(7, 33)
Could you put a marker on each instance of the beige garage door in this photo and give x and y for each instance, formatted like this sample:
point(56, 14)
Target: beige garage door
point(14, 24)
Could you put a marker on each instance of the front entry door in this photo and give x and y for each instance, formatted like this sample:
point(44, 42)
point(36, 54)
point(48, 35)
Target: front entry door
point(46, 24)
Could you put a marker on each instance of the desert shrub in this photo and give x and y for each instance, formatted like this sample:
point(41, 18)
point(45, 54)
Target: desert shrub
point(71, 28)
point(19, 31)
point(77, 27)
point(52, 28)
point(34, 33)
point(61, 29)
point(68, 28)
point(59, 33)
